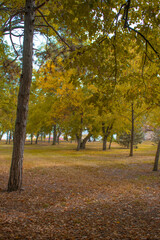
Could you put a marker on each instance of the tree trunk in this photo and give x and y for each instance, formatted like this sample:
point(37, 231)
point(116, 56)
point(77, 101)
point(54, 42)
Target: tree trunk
point(54, 135)
point(1, 135)
point(79, 135)
point(7, 137)
point(58, 136)
point(31, 138)
point(49, 138)
point(83, 143)
point(110, 142)
point(10, 137)
point(155, 168)
point(104, 143)
point(65, 137)
point(37, 138)
point(78, 142)
point(132, 133)
point(15, 178)
point(105, 135)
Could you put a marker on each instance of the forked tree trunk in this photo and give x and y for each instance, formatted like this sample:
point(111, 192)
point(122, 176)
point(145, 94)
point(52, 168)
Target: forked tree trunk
point(155, 168)
point(15, 178)
point(83, 143)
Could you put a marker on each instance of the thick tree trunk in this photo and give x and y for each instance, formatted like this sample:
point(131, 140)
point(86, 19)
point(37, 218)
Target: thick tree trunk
point(155, 168)
point(54, 134)
point(15, 178)
point(104, 143)
point(132, 133)
point(83, 143)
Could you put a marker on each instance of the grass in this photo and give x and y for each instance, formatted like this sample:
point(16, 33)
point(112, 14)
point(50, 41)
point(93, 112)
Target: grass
point(90, 194)
point(65, 154)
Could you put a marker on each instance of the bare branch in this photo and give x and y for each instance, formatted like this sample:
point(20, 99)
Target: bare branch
point(125, 16)
point(61, 38)
point(116, 18)
point(41, 5)
point(136, 31)
point(146, 109)
point(12, 40)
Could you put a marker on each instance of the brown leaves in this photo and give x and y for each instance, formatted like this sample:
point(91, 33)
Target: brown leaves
point(86, 200)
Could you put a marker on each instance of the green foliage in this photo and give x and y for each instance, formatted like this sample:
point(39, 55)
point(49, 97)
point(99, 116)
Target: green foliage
point(124, 138)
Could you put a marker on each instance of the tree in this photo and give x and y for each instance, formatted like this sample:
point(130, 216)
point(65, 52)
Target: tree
point(87, 23)
point(15, 178)
point(124, 138)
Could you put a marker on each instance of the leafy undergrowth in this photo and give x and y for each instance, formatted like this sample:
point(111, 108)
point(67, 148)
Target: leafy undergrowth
point(81, 195)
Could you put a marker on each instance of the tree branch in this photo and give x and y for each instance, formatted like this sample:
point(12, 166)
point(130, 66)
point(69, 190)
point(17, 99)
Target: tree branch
point(158, 55)
point(60, 37)
point(12, 40)
point(41, 5)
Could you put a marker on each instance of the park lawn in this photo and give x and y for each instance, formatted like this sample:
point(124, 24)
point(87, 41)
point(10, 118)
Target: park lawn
point(90, 194)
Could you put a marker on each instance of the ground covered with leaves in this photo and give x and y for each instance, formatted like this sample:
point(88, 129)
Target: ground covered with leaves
point(89, 194)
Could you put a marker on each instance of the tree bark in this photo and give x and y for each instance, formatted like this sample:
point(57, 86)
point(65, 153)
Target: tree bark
point(104, 143)
point(37, 138)
point(83, 143)
point(54, 134)
point(105, 135)
point(15, 178)
point(7, 137)
point(49, 138)
point(31, 138)
point(78, 142)
point(106, 132)
point(110, 142)
point(155, 168)
point(132, 133)
point(1, 135)
point(58, 136)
